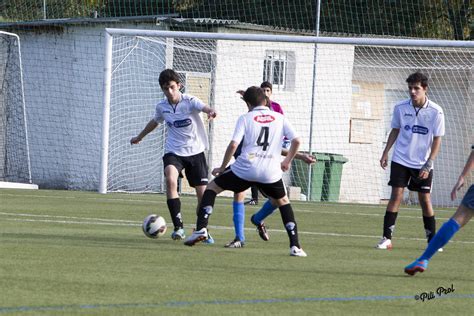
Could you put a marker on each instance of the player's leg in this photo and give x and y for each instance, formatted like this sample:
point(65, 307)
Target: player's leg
point(173, 166)
point(225, 181)
point(462, 216)
point(277, 192)
point(254, 198)
point(399, 177)
point(423, 187)
point(196, 171)
point(258, 218)
point(239, 221)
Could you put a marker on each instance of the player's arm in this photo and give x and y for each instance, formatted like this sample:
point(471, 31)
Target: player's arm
point(392, 137)
point(435, 146)
point(229, 153)
point(309, 159)
point(295, 145)
point(467, 169)
point(152, 124)
point(210, 112)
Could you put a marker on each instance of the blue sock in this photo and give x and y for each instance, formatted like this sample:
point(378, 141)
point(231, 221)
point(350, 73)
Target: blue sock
point(239, 219)
point(266, 210)
point(444, 234)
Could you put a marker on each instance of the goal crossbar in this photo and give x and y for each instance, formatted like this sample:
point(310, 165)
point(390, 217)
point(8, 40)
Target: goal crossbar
point(295, 38)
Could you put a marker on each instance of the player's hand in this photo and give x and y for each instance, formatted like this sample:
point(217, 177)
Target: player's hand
point(211, 115)
point(425, 170)
point(384, 161)
point(459, 184)
point(309, 159)
point(217, 171)
point(285, 165)
point(135, 140)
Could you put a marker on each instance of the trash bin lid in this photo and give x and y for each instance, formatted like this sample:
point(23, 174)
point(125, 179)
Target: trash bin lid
point(321, 156)
point(339, 158)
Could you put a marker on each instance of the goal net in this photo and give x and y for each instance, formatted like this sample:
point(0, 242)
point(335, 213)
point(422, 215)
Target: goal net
point(338, 93)
point(14, 153)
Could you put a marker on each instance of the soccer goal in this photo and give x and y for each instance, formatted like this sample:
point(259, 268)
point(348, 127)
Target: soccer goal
point(15, 171)
point(338, 93)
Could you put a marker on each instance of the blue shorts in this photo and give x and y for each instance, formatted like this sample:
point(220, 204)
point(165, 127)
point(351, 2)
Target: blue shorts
point(468, 200)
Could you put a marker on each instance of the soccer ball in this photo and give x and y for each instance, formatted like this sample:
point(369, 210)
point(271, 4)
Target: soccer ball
point(154, 226)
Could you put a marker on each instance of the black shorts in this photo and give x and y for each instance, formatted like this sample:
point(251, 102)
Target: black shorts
point(195, 167)
point(229, 181)
point(401, 176)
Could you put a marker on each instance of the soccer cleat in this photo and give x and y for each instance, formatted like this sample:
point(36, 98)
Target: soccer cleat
point(384, 243)
point(416, 266)
point(251, 202)
point(440, 250)
point(178, 234)
point(262, 230)
point(297, 252)
point(197, 236)
point(209, 240)
point(235, 244)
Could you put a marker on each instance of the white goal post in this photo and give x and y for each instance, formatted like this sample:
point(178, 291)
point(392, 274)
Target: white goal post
point(15, 167)
point(342, 109)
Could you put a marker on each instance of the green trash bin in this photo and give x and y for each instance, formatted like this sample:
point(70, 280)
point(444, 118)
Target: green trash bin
point(332, 178)
point(299, 175)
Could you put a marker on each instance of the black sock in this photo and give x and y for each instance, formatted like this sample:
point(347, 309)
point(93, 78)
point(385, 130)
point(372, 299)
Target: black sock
point(430, 226)
point(205, 209)
point(174, 206)
point(254, 190)
point(389, 224)
point(288, 218)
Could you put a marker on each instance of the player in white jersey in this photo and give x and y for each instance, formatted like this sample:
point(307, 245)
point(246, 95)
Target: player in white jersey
point(185, 143)
point(417, 128)
point(259, 163)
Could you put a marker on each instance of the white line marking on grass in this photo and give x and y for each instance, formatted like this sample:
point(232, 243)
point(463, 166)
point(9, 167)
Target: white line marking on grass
point(219, 302)
point(117, 222)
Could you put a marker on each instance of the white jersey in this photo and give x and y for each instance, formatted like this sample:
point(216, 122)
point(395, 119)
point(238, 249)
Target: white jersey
point(260, 158)
point(186, 132)
point(417, 127)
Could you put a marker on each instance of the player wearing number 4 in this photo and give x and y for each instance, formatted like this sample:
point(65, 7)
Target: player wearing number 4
point(462, 216)
point(259, 163)
point(417, 128)
point(185, 143)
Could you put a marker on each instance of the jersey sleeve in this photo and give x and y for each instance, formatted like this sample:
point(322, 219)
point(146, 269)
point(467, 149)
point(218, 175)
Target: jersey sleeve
point(396, 118)
point(158, 114)
point(239, 130)
point(288, 130)
point(439, 124)
point(196, 103)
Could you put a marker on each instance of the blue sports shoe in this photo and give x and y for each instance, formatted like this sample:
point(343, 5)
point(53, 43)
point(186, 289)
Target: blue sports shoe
point(209, 240)
point(416, 266)
point(178, 234)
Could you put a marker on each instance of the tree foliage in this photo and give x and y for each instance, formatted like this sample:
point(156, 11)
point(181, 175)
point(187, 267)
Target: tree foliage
point(450, 19)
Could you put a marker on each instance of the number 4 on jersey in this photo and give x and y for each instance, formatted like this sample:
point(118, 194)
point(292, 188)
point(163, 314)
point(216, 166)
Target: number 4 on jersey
point(263, 138)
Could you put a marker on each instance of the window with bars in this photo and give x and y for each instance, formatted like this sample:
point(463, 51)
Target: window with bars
point(278, 67)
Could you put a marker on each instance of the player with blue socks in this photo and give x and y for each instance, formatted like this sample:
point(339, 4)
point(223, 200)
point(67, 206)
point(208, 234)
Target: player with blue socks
point(462, 216)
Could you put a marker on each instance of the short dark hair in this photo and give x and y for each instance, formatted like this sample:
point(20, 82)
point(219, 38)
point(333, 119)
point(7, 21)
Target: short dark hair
point(254, 96)
point(168, 75)
point(418, 77)
point(266, 84)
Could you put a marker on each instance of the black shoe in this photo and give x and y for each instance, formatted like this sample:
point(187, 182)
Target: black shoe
point(262, 230)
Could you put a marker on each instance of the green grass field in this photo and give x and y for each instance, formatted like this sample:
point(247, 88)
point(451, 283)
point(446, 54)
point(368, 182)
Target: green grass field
point(75, 253)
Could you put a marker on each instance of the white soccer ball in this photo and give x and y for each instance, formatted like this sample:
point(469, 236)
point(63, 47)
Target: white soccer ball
point(154, 226)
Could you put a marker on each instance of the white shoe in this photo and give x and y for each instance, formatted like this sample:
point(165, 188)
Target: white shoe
point(384, 243)
point(197, 236)
point(440, 250)
point(297, 252)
